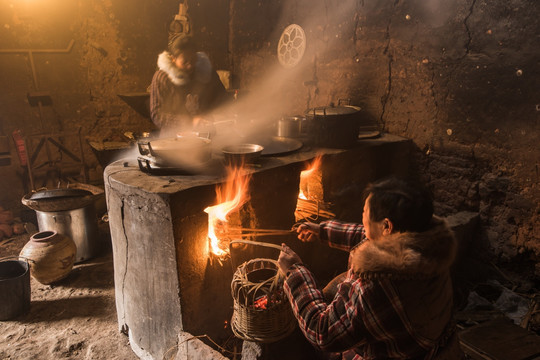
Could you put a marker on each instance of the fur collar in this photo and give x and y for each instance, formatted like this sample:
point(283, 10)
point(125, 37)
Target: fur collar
point(420, 254)
point(202, 74)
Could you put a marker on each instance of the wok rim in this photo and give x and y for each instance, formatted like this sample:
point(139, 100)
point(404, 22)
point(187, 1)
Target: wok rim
point(230, 149)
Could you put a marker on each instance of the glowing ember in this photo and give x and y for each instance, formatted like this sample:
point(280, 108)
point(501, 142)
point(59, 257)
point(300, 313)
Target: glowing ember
point(268, 301)
point(230, 197)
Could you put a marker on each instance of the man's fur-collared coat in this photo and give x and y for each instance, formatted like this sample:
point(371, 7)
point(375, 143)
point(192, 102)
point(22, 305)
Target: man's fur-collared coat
point(419, 266)
point(170, 108)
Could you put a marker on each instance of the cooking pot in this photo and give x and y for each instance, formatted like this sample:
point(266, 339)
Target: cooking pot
point(59, 199)
point(333, 126)
point(290, 126)
point(184, 151)
point(59, 193)
point(241, 153)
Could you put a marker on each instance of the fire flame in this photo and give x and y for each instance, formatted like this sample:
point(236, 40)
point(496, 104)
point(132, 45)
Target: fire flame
point(307, 173)
point(230, 196)
point(312, 167)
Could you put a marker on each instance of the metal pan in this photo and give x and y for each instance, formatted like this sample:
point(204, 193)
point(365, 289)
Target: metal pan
point(280, 146)
point(242, 153)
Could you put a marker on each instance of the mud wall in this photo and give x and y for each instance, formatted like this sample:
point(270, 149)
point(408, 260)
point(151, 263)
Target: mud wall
point(77, 56)
point(460, 78)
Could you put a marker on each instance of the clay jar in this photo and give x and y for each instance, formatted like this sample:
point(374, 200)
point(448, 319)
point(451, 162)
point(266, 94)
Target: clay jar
point(51, 256)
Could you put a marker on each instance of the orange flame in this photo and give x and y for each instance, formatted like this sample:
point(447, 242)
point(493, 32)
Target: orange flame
point(315, 164)
point(311, 168)
point(230, 196)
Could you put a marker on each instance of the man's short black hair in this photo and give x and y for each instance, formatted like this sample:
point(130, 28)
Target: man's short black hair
point(407, 204)
point(180, 44)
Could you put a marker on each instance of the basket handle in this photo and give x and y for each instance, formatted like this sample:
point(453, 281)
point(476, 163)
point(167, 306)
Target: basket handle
point(249, 242)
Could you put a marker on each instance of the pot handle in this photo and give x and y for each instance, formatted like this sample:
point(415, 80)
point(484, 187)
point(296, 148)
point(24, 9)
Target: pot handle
point(348, 100)
point(323, 108)
point(144, 148)
point(150, 150)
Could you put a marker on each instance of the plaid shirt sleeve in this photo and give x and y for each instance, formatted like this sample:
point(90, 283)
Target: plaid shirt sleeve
point(340, 235)
point(333, 327)
point(365, 317)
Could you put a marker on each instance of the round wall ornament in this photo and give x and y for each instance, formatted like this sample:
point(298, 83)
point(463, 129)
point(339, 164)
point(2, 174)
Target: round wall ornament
point(291, 46)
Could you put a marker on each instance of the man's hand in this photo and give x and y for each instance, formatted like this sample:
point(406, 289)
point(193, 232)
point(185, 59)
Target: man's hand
point(287, 258)
point(308, 232)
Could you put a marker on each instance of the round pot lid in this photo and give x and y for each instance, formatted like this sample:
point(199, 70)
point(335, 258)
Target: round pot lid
point(59, 200)
point(333, 110)
point(59, 193)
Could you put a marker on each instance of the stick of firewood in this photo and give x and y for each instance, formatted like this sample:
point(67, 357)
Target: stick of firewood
point(247, 231)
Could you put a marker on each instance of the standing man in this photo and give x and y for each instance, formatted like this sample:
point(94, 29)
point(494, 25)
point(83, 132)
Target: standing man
point(395, 301)
point(184, 88)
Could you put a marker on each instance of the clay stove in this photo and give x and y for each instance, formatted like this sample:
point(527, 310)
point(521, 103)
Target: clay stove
point(169, 285)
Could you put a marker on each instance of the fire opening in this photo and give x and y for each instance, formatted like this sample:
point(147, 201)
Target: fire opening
point(230, 196)
point(310, 205)
point(305, 177)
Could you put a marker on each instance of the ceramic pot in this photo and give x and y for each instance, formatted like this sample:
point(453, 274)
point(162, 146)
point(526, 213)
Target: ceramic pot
point(51, 256)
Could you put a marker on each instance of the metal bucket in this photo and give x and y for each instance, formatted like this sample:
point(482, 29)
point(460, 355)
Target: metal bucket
point(291, 126)
point(78, 224)
point(14, 288)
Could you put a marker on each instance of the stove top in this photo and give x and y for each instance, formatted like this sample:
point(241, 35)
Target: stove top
point(273, 146)
point(148, 165)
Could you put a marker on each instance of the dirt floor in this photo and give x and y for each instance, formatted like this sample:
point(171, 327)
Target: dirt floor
point(75, 318)
point(72, 319)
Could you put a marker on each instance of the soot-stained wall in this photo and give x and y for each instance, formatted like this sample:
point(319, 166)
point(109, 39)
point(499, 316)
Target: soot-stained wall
point(115, 44)
point(459, 78)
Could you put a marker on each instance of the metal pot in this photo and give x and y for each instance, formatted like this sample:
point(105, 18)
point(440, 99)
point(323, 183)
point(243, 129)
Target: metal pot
point(59, 193)
point(242, 153)
point(78, 224)
point(184, 151)
point(334, 126)
point(60, 199)
point(290, 126)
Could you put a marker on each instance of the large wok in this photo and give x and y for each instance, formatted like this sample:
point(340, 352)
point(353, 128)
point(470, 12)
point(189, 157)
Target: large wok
point(182, 151)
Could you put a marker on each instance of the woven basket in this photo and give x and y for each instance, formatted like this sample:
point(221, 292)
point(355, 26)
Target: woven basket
point(254, 280)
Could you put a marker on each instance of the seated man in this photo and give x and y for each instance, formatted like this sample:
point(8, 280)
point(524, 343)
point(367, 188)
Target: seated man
point(184, 88)
point(395, 301)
